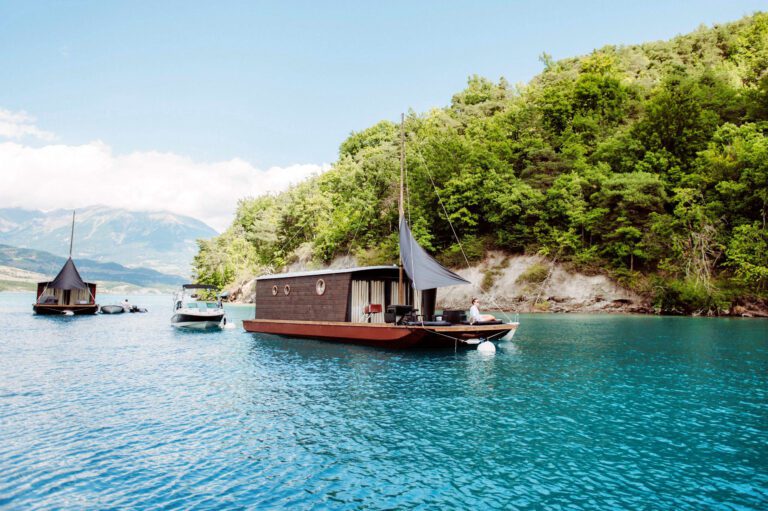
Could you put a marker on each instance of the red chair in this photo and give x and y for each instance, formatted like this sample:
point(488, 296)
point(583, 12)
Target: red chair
point(370, 310)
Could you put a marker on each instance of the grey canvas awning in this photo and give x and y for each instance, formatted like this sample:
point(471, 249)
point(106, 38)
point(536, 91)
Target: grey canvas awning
point(68, 278)
point(424, 271)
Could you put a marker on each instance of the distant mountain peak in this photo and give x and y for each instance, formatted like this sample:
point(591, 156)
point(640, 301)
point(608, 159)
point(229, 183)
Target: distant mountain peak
point(157, 239)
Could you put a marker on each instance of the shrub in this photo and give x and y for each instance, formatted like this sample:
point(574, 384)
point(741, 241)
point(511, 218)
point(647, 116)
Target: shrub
point(534, 274)
point(473, 248)
point(688, 297)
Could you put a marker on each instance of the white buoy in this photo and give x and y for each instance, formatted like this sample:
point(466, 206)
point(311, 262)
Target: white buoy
point(229, 326)
point(486, 347)
point(69, 313)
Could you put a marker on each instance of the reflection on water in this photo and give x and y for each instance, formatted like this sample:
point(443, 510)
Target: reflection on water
point(577, 412)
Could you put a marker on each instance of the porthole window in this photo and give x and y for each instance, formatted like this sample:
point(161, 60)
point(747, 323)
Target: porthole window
point(274, 290)
point(287, 290)
point(320, 287)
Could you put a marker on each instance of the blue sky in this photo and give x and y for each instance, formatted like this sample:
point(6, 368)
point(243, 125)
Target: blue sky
point(279, 83)
point(188, 106)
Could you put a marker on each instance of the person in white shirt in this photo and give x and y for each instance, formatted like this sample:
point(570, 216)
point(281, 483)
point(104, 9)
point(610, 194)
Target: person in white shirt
point(474, 313)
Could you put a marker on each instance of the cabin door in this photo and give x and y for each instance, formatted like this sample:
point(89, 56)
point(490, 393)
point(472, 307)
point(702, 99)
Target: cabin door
point(364, 294)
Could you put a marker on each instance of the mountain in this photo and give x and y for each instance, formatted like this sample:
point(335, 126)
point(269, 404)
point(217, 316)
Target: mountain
point(48, 265)
point(160, 240)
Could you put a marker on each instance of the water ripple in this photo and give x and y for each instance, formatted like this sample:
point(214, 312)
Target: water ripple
point(578, 412)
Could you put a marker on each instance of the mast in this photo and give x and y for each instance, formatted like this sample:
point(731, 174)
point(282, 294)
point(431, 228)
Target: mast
point(400, 286)
point(72, 234)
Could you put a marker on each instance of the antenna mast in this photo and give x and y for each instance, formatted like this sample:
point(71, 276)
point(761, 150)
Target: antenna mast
point(72, 234)
point(400, 285)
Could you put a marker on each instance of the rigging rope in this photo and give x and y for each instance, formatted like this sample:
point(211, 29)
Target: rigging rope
point(456, 236)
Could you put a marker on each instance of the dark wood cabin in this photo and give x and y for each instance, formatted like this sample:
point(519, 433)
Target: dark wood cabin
point(357, 295)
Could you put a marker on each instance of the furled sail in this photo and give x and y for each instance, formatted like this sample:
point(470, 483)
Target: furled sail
point(68, 278)
point(424, 271)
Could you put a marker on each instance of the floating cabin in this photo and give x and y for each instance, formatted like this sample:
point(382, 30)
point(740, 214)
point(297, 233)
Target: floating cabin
point(353, 295)
point(366, 305)
point(67, 293)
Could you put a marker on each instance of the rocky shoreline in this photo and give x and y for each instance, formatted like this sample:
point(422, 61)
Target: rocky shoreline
point(530, 284)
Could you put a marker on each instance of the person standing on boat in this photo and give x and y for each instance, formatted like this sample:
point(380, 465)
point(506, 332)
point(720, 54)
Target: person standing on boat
point(474, 313)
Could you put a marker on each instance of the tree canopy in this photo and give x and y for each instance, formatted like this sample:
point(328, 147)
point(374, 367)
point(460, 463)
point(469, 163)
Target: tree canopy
point(648, 162)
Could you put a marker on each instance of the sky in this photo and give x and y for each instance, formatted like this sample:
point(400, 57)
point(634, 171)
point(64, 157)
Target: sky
point(187, 106)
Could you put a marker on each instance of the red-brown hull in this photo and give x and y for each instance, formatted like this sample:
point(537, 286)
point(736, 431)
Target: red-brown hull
point(379, 335)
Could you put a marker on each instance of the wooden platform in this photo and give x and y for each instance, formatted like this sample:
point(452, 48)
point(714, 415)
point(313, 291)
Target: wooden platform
point(59, 310)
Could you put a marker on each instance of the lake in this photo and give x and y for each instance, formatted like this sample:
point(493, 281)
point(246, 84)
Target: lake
point(576, 412)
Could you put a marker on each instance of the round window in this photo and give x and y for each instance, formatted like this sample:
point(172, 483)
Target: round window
point(287, 290)
point(320, 286)
point(274, 290)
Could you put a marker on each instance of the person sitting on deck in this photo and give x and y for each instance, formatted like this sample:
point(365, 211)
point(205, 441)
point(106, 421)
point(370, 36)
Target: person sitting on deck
point(474, 313)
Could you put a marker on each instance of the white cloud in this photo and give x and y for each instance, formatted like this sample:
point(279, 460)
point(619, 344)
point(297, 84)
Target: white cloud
point(65, 176)
point(18, 125)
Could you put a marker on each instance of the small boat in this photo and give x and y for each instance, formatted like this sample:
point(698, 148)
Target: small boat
point(112, 309)
point(191, 313)
point(67, 294)
point(382, 306)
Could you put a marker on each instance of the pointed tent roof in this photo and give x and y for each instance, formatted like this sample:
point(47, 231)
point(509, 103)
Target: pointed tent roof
point(424, 271)
point(68, 278)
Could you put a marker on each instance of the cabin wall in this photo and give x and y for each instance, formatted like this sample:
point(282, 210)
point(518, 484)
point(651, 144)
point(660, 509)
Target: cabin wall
point(67, 297)
point(303, 302)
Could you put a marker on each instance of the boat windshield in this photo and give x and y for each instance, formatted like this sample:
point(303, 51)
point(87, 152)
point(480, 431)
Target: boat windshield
point(212, 305)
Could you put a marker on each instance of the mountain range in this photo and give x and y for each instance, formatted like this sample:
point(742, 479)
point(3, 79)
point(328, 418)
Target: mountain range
point(47, 265)
point(160, 240)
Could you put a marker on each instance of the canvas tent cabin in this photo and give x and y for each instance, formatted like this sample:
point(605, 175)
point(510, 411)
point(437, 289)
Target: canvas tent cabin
point(67, 293)
point(352, 295)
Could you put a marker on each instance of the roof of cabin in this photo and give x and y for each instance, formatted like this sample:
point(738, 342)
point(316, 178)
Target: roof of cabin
point(325, 272)
point(68, 278)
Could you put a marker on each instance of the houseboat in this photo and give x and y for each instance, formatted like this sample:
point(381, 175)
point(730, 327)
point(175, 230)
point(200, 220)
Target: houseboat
point(362, 306)
point(67, 293)
point(385, 306)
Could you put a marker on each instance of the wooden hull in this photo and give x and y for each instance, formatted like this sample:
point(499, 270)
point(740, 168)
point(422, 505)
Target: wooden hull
point(59, 310)
point(377, 334)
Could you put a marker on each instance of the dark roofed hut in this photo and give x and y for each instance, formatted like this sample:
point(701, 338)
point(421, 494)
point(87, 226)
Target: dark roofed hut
point(68, 292)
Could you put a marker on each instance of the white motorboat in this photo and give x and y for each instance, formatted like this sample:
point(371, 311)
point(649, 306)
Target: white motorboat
point(193, 313)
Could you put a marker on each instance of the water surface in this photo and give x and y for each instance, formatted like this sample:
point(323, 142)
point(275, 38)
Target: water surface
point(577, 412)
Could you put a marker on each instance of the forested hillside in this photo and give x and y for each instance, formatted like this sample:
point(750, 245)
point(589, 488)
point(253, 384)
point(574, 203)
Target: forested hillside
point(648, 163)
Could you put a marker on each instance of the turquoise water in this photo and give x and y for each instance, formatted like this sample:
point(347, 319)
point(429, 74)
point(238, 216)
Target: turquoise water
point(577, 412)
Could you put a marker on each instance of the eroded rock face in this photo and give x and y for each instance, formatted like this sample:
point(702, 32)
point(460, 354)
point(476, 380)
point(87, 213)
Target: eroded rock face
point(555, 290)
point(243, 293)
point(745, 308)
